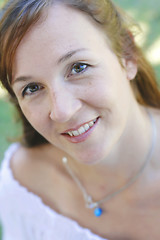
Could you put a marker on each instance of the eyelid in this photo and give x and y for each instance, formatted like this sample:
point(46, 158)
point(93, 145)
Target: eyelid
point(74, 64)
point(24, 89)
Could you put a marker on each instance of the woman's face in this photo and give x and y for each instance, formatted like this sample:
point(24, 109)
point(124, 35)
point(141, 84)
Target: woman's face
point(70, 85)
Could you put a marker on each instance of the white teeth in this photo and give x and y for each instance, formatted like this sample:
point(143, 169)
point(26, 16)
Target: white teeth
point(82, 129)
point(75, 133)
point(86, 126)
point(91, 123)
point(70, 134)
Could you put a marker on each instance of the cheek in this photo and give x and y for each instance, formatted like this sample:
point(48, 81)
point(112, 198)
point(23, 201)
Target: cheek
point(36, 115)
point(101, 91)
point(110, 92)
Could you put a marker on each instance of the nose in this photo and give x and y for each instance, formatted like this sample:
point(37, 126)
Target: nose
point(63, 105)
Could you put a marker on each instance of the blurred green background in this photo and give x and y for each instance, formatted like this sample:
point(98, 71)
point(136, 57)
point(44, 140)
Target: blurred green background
point(145, 12)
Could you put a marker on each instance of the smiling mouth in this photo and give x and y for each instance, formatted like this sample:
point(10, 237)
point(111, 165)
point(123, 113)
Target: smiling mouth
point(84, 128)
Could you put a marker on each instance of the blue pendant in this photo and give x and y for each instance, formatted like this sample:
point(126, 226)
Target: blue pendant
point(98, 211)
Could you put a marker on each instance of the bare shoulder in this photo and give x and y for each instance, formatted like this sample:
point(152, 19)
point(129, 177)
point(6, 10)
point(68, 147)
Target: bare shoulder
point(24, 157)
point(31, 165)
point(38, 170)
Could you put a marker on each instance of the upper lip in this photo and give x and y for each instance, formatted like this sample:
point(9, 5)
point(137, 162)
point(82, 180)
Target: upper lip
point(76, 128)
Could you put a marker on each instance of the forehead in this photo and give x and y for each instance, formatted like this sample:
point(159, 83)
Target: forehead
point(62, 30)
point(64, 23)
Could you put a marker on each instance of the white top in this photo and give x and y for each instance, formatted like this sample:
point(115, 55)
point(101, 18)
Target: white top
point(25, 217)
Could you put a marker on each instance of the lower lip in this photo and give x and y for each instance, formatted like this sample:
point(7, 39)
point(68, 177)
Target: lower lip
point(83, 136)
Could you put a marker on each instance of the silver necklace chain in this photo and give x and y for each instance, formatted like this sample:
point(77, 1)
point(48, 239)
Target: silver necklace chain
point(88, 199)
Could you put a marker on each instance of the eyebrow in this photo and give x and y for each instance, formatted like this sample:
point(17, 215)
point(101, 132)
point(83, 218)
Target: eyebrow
point(61, 60)
point(22, 79)
point(70, 54)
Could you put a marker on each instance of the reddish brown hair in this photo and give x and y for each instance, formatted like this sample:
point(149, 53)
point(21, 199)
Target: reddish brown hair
point(19, 16)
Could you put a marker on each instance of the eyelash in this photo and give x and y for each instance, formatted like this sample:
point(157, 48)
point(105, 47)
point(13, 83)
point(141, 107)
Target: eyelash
point(31, 85)
point(38, 87)
point(78, 64)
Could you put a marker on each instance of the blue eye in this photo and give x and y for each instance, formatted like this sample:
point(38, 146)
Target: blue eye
point(78, 68)
point(31, 89)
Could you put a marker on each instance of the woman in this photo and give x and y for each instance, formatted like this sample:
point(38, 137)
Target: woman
point(88, 166)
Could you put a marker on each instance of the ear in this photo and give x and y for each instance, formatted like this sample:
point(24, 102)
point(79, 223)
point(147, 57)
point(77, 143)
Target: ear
point(130, 67)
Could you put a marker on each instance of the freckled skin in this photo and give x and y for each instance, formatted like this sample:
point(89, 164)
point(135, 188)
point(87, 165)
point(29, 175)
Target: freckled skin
point(101, 90)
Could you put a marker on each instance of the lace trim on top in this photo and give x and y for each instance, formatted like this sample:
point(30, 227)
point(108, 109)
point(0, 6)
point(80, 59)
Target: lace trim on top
point(6, 172)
